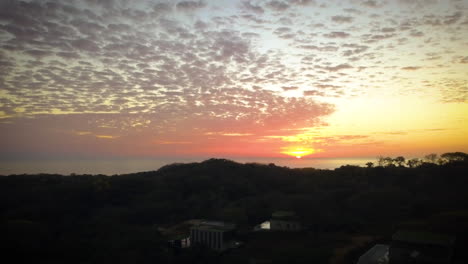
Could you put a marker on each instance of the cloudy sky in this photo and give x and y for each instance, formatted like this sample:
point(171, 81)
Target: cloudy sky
point(267, 78)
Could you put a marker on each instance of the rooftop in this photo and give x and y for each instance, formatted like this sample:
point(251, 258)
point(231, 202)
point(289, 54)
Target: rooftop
point(180, 230)
point(377, 254)
point(215, 226)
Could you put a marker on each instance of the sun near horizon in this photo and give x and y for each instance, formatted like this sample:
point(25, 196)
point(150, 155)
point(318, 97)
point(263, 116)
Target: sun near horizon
point(176, 79)
point(298, 152)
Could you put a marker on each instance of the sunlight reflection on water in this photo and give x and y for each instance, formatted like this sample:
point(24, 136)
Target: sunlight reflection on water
point(122, 166)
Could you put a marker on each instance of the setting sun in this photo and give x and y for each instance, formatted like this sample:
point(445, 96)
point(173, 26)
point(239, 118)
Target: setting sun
point(173, 81)
point(298, 152)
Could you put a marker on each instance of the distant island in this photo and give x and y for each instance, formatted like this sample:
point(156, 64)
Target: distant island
point(49, 218)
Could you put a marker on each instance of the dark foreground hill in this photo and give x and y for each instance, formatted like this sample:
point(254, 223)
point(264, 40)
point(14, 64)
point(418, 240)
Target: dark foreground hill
point(102, 219)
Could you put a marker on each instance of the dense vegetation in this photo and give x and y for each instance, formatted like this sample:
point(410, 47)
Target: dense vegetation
point(102, 219)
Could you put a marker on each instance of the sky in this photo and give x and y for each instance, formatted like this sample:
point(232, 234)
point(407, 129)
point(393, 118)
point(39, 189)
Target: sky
point(270, 78)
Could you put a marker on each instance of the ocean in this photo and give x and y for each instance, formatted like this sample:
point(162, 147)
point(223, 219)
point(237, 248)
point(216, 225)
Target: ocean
point(123, 166)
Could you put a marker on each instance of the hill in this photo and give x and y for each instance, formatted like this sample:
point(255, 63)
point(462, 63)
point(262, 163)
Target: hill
point(97, 218)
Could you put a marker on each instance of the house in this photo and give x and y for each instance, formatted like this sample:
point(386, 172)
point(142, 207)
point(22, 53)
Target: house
point(178, 236)
point(421, 247)
point(218, 236)
point(285, 221)
point(265, 226)
point(280, 221)
point(378, 254)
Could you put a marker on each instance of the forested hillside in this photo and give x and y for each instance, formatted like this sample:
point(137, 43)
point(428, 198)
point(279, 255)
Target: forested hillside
point(115, 219)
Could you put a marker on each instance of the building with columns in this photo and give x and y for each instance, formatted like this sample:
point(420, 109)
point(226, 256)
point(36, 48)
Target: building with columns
point(218, 236)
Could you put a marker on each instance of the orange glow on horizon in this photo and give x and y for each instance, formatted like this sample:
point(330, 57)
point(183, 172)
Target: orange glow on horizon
point(298, 152)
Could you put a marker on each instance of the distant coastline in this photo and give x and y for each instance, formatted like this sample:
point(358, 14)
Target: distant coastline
point(123, 166)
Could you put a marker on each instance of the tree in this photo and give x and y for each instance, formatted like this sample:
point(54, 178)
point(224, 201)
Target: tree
point(385, 161)
point(370, 164)
point(381, 161)
point(400, 160)
point(413, 163)
point(432, 158)
point(453, 157)
point(388, 162)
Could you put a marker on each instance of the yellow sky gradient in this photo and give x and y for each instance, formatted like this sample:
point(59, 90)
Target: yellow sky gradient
point(230, 79)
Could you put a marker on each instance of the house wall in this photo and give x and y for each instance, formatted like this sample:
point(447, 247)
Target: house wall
point(213, 239)
point(284, 225)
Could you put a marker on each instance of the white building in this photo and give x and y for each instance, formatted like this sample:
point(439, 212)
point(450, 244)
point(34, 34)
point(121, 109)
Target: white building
point(215, 235)
point(280, 221)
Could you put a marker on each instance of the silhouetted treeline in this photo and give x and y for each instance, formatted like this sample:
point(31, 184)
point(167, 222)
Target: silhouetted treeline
point(100, 219)
point(432, 158)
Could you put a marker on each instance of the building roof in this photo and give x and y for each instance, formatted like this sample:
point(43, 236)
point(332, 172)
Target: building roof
point(180, 230)
point(422, 237)
point(263, 226)
point(215, 226)
point(378, 254)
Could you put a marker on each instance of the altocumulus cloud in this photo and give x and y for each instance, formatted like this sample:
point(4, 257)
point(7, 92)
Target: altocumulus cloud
point(117, 68)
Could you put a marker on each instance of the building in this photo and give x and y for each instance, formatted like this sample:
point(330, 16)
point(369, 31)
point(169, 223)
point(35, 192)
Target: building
point(285, 221)
point(215, 235)
point(178, 236)
point(421, 247)
point(378, 254)
point(265, 226)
